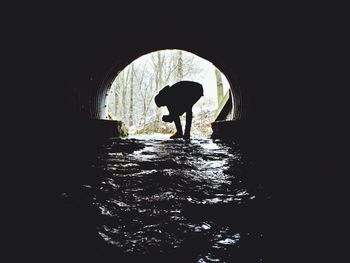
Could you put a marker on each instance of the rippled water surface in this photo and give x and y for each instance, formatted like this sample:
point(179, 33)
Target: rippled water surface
point(152, 196)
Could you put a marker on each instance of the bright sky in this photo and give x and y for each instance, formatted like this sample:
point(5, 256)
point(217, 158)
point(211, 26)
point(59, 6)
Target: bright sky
point(207, 77)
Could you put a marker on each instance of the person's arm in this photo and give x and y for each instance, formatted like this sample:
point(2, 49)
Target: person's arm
point(171, 116)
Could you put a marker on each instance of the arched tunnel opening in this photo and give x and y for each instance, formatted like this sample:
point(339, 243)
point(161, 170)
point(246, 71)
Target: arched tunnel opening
point(132, 92)
point(268, 179)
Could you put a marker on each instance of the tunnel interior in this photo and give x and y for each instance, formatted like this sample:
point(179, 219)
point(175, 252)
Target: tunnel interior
point(290, 104)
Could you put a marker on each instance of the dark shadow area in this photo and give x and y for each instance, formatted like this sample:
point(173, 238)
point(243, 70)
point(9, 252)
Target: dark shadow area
point(167, 200)
point(293, 129)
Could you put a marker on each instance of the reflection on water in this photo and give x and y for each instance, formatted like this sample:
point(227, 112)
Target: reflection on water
point(153, 195)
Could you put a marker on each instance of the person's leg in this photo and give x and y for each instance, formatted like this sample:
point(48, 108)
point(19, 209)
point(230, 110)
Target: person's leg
point(178, 126)
point(189, 116)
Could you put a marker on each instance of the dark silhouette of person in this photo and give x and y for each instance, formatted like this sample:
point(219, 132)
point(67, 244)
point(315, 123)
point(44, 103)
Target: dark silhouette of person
point(179, 99)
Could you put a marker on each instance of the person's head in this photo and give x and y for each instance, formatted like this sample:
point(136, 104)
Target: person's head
point(160, 98)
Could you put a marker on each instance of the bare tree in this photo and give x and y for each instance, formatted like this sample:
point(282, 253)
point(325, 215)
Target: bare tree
point(121, 95)
point(219, 86)
point(144, 92)
point(131, 109)
point(180, 72)
point(147, 96)
point(122, 83)
point(138, 83)
point(158, 62)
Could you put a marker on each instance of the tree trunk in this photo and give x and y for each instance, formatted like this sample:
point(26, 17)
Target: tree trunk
point(219, 86)
point(125, 85)
point(180, 71)
point(159, 83)
point(131, 109)
point(144, 114)
point(121, 96)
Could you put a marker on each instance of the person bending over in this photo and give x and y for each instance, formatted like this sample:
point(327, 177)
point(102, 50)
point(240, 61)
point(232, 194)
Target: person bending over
point(179, 99)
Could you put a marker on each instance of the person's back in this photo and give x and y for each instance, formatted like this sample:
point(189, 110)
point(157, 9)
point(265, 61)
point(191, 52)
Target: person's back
point(179, 98)
point(183, 95)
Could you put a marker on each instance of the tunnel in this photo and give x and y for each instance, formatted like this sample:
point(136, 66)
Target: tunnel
point(220, 95)
point(290, 107)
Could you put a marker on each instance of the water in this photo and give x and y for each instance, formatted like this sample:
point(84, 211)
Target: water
point(149, 197)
